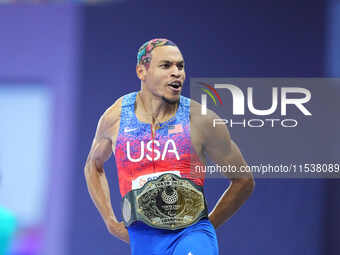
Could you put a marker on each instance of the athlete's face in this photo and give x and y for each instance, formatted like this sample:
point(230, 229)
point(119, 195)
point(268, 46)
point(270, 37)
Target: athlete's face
point(165, 76)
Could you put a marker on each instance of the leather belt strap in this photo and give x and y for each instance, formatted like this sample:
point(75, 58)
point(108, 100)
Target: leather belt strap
point(168, 202)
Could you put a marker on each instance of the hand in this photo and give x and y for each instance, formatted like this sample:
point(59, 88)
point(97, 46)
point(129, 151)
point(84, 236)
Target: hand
point(118, 229)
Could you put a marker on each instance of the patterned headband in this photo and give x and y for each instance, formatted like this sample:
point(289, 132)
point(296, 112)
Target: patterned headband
point(144, 52)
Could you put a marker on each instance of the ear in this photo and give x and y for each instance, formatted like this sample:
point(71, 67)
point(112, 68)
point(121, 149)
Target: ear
point(141, 72)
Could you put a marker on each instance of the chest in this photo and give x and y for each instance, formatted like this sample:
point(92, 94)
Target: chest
point(142, 143)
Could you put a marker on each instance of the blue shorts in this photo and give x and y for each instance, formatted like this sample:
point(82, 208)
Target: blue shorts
point(197, 239)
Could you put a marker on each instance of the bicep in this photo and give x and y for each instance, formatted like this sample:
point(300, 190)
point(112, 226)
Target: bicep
point(218, 145)
point(222, 150)
point(102, 145)
point(100, 152)
point(101, 148)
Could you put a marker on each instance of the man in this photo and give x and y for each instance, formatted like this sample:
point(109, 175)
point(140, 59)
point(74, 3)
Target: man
point(158, 136)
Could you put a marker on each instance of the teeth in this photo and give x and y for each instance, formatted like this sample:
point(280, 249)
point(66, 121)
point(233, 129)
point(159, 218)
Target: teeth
point(175, 83)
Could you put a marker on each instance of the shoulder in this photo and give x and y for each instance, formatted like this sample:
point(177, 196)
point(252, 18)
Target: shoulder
point(110, 117)
point(204, 124)
point(197, 117)
point(195, 106)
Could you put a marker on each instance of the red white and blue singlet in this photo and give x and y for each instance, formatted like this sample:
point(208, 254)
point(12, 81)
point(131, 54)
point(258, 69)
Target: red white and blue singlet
point(142, 155)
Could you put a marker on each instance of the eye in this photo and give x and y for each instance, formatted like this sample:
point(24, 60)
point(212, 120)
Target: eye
point(165, 66)
point(180, 66)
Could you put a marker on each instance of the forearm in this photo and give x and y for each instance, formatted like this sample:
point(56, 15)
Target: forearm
point(100, 194)
point(99, 190)
point(232, 199)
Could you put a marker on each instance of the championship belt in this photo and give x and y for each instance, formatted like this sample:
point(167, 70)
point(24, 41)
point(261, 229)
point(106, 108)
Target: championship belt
point(168, 202)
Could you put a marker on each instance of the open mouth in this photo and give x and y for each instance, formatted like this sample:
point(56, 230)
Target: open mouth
point(176, 85)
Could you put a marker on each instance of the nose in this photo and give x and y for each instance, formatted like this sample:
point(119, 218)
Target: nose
point(176, 72)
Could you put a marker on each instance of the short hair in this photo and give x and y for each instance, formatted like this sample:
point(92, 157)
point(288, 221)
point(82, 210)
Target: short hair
point(144, 52)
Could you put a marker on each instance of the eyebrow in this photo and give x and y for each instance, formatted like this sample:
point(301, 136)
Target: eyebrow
point(170, 62)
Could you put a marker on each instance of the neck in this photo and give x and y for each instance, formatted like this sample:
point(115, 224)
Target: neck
point(155, 109)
